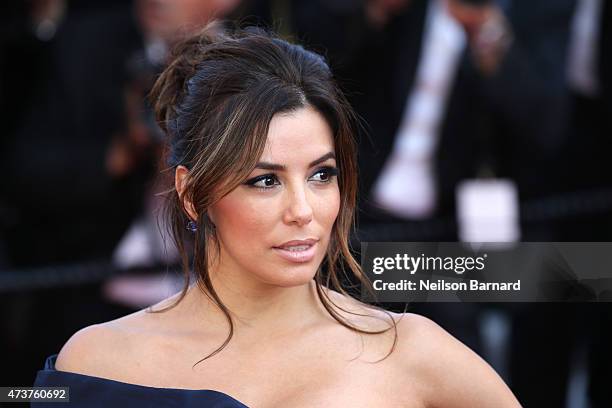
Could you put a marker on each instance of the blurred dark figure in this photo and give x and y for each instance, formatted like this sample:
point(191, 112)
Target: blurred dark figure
point(546, 336)
point(65, 205)
point(23, 68)
point(589, 71)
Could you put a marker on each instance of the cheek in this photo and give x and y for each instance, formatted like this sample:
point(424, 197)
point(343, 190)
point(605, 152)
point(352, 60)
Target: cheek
point(240, 219)
point(328, 206)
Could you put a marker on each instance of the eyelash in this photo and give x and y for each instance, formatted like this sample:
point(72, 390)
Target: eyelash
point(331, 173)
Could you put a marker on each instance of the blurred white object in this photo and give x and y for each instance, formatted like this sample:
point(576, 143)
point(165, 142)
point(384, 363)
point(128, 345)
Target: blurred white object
point(141, 291)
point(582, 58)
point(47, 16)
point(488, 211)
point(145, 243)
point(406, 185)
point(135, 248)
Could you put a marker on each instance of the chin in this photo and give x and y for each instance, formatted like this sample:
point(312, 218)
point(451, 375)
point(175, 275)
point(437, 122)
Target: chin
point(291, 276)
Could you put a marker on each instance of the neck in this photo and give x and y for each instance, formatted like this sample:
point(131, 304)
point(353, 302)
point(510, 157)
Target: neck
point(256, 307)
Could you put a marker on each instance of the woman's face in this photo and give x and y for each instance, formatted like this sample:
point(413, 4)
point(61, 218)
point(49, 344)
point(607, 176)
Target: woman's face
point(275, 227)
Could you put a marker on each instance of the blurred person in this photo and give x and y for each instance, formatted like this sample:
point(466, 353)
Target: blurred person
point(549, 352)
point(544, 115)
point(66, 132)
point(66, 208)
point(464, 84)
point(265, 179)
point(169, 20)
point(588, 71)
point(162, 23)
point(87, 117)
point(23, 65)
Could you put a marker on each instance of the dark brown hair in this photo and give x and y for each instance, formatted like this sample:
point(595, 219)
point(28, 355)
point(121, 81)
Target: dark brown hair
point(215, 101)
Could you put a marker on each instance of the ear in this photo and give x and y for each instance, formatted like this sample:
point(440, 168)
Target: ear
point(180, 182)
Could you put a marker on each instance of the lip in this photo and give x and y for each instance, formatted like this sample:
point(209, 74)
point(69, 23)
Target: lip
point(297, 256)
point(295, 242)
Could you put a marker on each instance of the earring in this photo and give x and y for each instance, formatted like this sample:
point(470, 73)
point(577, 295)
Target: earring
point(192, 226)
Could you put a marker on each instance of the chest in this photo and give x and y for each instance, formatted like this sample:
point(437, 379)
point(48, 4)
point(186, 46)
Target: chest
point(331, 370)
point(355, 387)
point(302, 379)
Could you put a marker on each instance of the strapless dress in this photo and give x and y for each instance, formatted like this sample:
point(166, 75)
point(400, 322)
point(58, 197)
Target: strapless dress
point(89, 391)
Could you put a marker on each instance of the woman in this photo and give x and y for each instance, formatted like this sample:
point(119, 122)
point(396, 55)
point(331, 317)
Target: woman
point(265, 180)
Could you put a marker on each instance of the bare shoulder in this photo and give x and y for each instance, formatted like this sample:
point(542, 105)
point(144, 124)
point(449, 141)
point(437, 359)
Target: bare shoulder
point(118, 346)
point(451, 373)
point(99, 350)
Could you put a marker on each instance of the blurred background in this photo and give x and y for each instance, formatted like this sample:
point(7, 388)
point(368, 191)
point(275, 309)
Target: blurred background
point(484, 120)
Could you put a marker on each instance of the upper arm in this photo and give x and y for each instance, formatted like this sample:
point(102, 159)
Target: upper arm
point(454, 374)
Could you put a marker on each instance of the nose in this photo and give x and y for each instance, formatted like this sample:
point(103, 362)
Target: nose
point(299, 209)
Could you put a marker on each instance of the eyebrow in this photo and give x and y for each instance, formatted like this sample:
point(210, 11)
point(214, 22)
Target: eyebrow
point(281, 167)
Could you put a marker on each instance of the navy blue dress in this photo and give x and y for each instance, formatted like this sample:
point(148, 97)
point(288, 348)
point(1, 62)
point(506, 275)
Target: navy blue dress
point(88, 391)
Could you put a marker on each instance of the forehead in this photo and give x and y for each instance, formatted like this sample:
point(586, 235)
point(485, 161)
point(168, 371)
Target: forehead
point(300, 135)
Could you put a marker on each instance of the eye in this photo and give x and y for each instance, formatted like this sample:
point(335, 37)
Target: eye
point(325, 174)
point(263, 182)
